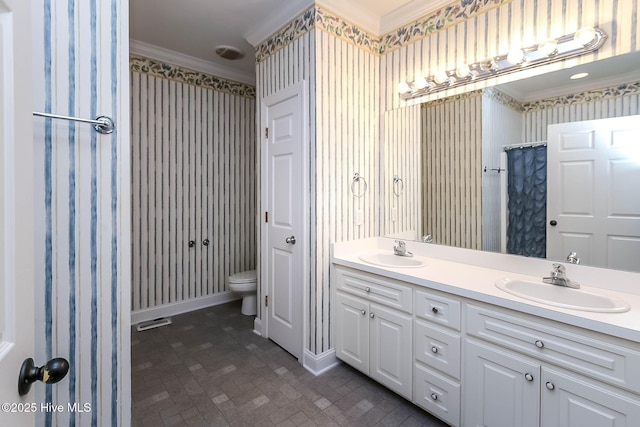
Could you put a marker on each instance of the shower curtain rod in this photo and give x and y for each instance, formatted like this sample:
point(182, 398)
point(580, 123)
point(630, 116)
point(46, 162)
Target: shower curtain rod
point(523, 145)
point(101, 124)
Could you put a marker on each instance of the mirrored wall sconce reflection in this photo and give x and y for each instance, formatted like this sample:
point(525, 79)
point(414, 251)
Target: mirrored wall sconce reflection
point(582, 41)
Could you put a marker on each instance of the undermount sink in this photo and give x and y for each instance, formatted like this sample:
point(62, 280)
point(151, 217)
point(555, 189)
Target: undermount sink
point(560, 296)
point(388, 259)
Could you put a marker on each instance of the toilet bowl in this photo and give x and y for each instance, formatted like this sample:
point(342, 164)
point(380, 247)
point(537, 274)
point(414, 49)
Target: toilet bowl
point(244, 284)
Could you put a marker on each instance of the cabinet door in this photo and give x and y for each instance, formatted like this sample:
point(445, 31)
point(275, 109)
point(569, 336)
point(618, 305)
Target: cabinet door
point(569, 400)
point(352, 331)
point(390, 349)
point(501, 388)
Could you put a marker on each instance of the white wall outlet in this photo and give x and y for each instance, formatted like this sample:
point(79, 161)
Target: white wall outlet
point(394, 214)
point(359, 217)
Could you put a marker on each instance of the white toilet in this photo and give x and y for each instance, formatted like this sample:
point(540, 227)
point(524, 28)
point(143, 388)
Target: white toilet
point(244, 283)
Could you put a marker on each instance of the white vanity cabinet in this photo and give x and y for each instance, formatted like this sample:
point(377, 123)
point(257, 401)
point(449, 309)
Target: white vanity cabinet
point(525, 371)
point(373, 328)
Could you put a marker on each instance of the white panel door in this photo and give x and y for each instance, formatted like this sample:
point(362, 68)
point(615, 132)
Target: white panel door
point(390, 349)
point(593, 197)
point(501, 388)
point(16, 211)
point(352, 334)
point(285, 204)
point(571, 401)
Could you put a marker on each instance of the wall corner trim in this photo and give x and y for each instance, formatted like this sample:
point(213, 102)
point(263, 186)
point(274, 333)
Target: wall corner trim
point(319, 363)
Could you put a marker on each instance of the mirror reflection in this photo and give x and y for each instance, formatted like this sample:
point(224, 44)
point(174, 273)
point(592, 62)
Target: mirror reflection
point(547, 166)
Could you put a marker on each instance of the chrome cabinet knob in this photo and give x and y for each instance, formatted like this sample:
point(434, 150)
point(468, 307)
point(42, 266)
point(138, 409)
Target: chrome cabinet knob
point(205, 242)
point(371, 315)
point(539, 344)
point(291, 240)
point(528, 377)
point(434, 396)
point(434, 310)
point(363, 312)
point(550, 385)
point(367, 289)
point(434, 349)
point(192, 243)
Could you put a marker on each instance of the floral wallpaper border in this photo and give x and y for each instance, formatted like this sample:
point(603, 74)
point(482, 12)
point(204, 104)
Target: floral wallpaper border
point(152, 67)
point(437, 21)
point(504, 99)
point(611, 92)
point(458, 97)
point(317, 17)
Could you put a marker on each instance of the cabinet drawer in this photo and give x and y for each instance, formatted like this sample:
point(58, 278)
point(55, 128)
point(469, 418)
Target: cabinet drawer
point(437, 394)
point(438, 348)
point(591, 354)
point(438, 308)
point(389, 292)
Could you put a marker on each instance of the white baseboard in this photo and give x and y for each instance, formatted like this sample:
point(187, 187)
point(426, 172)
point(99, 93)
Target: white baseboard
point(257, 326)
point(319, 363)
point(182, 307)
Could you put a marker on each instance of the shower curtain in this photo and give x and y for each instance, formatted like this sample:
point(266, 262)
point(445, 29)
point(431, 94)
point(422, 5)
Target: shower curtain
point(527, 205)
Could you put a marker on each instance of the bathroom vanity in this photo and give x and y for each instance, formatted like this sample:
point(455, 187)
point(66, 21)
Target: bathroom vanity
point(445, 337)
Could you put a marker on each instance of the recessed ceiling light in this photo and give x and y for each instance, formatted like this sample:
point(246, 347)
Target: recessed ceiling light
point(579, 76)
point(229, 52)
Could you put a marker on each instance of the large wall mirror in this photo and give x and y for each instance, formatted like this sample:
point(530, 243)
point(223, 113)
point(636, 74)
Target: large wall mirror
point(542, 167)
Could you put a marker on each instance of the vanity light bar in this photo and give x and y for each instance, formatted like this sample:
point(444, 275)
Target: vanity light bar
point(582, 41)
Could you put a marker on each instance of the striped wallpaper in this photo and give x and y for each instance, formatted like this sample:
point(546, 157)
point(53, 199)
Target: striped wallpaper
point(82, 224)
point(193, 178)
point(353, 77)
point(452, 171)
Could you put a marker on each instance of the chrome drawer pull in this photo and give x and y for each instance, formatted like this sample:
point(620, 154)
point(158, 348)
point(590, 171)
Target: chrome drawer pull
point(435, 310)
point(434, 349)
point(528, 377)
point(363, 312)
point(434, 396)
point(539, 344)
point(367, 289)
point(371, 315)
point(550, 385)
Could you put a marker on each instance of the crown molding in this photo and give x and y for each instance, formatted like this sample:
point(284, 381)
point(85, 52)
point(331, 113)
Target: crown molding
point(408, 13)
point(347, 11)
point(196, 64)
point(276, 20)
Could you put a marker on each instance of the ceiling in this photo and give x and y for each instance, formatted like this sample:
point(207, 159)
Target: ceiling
point(191, 29)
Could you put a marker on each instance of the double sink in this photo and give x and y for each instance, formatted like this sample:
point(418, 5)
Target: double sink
point(557, 296)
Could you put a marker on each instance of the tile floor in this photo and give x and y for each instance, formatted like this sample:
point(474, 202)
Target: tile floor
point(209, 369)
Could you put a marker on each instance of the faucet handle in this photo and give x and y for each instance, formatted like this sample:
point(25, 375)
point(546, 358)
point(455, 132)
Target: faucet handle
point(558, 268)
point(400, 243)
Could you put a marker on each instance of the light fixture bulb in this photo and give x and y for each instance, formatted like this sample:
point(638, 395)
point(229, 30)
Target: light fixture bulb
point(420, 83)
point(549, 47)
point(403, 87)
point(515, 56)
point(463, 71)
point(441, 77)
point(585, 35)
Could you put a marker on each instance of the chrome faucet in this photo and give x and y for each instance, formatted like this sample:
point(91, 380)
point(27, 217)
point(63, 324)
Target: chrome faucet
point(427, 238)
point(559, 277)
point(401, 249)
point(572, 258)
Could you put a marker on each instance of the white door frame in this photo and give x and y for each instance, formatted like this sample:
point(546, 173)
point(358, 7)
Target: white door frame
point(300, 89)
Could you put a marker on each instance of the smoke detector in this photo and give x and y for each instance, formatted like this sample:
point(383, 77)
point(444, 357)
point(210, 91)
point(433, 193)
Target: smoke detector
point(229, 52)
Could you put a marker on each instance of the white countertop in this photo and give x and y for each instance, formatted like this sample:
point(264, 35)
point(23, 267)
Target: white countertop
point(478, 283)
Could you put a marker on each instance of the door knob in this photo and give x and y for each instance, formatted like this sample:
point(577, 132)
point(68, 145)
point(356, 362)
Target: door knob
point(291, 240)
point(50, 373)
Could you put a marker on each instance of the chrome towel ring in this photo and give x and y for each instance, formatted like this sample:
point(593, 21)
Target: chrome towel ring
point(398, 182)
point(356, 179)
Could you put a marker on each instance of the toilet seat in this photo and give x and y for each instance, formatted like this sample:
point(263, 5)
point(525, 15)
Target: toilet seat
point(243, 277)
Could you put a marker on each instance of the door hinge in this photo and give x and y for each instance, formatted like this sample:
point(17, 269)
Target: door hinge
point(266, 217)
point(266, 132)
point(266, 300)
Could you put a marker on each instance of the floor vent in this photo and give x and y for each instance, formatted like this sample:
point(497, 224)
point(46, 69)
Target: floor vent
point(155, 323)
